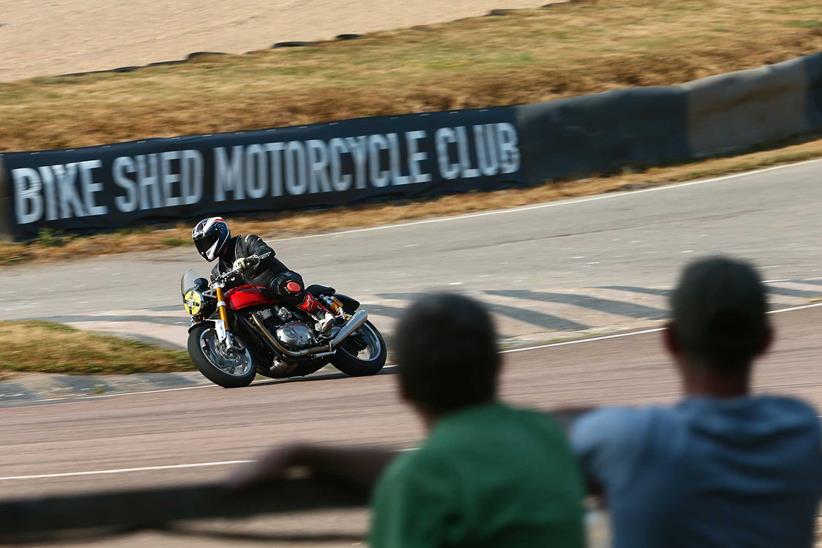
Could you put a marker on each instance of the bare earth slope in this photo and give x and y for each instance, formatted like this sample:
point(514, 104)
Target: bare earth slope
point(77, 35)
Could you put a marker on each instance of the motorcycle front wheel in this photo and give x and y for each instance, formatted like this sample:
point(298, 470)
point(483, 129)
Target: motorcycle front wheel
point(362, 353)
point(230, 368)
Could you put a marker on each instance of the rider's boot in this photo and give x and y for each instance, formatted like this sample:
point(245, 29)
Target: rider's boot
point(318, 311)
point(324, 323)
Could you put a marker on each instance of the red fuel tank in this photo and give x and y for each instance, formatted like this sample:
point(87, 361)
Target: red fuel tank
point(244, 296)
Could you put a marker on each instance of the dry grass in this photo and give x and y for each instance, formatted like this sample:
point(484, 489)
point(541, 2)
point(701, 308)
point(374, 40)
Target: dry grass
point(522, 56)
point(53, 247)
point(79, 352)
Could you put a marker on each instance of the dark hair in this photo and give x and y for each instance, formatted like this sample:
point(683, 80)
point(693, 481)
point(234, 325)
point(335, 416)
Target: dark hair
point(447, 353)
point(719, 313)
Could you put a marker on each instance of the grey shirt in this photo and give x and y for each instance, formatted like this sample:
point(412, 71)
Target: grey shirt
point(707, 472)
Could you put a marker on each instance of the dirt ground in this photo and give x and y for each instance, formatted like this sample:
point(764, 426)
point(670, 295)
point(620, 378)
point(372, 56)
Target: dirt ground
point(64, 36)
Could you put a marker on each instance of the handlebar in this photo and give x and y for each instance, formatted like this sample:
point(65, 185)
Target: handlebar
point(225, 276)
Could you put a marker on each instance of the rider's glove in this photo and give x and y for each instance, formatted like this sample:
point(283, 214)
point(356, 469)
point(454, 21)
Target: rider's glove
point(246, 263)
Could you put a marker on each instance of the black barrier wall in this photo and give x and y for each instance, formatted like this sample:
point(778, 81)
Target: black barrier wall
point(604, 132)
point(99, 188)
point(343, 163)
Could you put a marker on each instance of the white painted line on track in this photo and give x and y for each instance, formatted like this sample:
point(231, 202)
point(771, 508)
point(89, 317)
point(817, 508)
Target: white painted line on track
point(557, 203)
point(795, 308)
point(581, 341)
point(633, 333)
point(143, 469)
point(126, 470)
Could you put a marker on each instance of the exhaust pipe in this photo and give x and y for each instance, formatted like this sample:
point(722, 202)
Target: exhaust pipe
point(356, 321)
point(351, 325)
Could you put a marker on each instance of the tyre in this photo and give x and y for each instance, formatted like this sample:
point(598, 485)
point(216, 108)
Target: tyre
point(362, 353)
point(229, 369)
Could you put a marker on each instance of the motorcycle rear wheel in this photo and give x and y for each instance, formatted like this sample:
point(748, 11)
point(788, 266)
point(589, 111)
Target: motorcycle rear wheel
point(227, 369)
point(354, 360)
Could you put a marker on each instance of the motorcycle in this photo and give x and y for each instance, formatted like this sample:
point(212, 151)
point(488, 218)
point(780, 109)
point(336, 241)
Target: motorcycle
point(245, 330)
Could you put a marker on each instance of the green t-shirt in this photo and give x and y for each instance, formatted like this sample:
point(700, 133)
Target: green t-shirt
point(488, 476)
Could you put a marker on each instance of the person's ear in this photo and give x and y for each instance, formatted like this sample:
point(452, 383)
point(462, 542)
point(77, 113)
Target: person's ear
point(670, 341)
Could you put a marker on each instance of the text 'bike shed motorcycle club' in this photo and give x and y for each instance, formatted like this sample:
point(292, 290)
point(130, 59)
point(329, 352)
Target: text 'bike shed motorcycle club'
point(238, 333)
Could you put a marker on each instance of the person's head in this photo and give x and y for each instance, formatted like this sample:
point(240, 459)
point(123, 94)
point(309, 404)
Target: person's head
point(447, 354)
point(719, 319)
point(210, 237)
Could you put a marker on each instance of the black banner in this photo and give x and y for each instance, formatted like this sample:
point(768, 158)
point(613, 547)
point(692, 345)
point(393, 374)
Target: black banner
point(100, 188)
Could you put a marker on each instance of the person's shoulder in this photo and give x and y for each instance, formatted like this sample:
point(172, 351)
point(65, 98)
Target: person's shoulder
point(255, 242)
point(416, 469)
point(249, 238)
point(621, 426)
point(411, 461)
point(617, 418)
point(788, 402)
point(790, 407)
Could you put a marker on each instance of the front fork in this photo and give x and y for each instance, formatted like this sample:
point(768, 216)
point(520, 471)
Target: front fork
point(221, 326)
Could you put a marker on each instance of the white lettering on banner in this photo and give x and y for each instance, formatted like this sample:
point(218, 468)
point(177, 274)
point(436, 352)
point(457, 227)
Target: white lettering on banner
point(338, 147)
point(468, 172)
point(394, 157)
point(275, 156)
point(256, 171)
point(415, 157)
point(70, 203)
point(318, 158)
point(60, 189)
point(91, 187)
point(487, 155)
point(296, 180)
point(358, 146)
point(228, 175)
point(129, 202)
point(191, 167)
point(376, 144)
point(148, 179)
point(296, 168)
point(509, 147)
point(260, 171)
point(495, 147)
point(50, 190)
point(446, 136)
point(169, 178)
point(28, 202)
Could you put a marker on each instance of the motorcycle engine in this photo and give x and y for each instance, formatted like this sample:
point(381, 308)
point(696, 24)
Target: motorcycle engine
point(295, 335)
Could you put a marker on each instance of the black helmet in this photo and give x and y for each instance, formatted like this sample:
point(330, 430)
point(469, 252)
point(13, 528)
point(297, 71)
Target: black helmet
point(210, 236)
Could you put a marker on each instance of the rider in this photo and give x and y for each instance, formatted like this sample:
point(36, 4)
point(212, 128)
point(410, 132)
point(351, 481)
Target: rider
point(213, 240)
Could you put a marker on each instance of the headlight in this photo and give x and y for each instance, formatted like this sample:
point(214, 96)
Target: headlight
point(193, 302)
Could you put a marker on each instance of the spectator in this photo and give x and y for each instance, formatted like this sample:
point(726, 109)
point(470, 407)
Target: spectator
point(487, 475)
point(722, 467)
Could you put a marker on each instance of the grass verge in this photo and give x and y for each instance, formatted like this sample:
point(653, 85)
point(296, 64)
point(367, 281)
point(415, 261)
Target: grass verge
point(46, 347)
point(52, 246)
point(518, 56)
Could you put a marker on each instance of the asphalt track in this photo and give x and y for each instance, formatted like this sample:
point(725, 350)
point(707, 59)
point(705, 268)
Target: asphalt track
point(635, 241)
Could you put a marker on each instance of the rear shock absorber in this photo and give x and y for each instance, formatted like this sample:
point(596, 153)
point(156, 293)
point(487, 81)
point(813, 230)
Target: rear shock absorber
point(334, 305)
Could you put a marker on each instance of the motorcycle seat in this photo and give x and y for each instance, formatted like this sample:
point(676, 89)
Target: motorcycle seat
point(318, 290)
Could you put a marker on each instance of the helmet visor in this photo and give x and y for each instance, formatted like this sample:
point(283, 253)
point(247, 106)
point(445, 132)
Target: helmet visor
point(208, 245)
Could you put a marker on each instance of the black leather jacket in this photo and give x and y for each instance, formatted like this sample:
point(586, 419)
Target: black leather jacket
point(245, 246)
